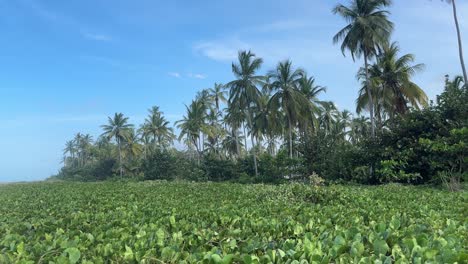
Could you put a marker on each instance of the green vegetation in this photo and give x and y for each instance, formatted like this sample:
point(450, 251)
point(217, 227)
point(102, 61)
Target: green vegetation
point(169, 222)
point(271, 127)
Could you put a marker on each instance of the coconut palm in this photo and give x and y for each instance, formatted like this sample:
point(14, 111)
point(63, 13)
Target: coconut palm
point(359, 129)
point(131, 147)
point(311, 91)
point(287, 97)
point(117, 128)
point(328, 116)
point(218, 94)
point(368, 30)
point(70, 149)
point(192, 124)
point(392, 85)
point(234, 118)
point(459, 38)
point(159, 128)
point(244, 91)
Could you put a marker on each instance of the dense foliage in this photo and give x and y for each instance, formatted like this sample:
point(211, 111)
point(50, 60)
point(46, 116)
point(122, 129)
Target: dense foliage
point(156, 222)
point(271, 126)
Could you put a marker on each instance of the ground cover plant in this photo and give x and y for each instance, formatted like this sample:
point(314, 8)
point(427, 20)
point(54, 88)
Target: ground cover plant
point(181, 222)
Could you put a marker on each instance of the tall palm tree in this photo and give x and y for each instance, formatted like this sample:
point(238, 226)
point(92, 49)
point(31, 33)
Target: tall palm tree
point(234, 118)
point(288, 97)
point(131, 147)
point(69, 149)
point(159, 128)
point(391, 80)
point(311, 91)
point(368, 30)
point(218, 94)
point(328, 116)
point(459, 38)
point(244, 90)
point(117, 128)
point(359, 129)
point(192, 124)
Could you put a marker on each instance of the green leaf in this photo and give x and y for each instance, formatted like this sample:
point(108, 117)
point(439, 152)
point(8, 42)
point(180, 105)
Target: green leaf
point(380, 247)
point(74, 255)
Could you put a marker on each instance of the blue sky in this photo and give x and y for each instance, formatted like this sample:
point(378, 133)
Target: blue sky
point(66, 65)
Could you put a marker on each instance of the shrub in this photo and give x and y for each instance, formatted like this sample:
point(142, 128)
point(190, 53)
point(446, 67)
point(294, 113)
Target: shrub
point(159, 165)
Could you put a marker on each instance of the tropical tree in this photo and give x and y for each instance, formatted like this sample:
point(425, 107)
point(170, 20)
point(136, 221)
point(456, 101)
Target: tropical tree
point(391, 84)
point(311, 91)
point(69, 149)
point(218, 95)
point(117, 128)
point(328, 116)
point(159, 128)
point(368, 30)
point(244, 91)
point(234, 118)
point(192, 124)
point(288, 97)
point(459, 37)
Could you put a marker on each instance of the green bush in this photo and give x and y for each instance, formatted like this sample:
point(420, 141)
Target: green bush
point(159, 165)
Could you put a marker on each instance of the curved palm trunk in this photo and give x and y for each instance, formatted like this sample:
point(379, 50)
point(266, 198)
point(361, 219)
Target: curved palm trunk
point(371, 100)
point(460, 47)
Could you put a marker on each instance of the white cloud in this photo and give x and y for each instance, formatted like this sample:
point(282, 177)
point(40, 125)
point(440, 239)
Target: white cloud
point(174, 74)
point(196, 75)
point(97, 37)
point(220, 50)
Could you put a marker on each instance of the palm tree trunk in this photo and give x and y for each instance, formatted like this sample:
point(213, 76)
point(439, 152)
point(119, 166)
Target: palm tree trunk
point(254, 156)
point(249, 119)
point(120, 159)
point(460, 47)
point(290, 139)
point(236, 134)
point(245, 137)
point(371, 99)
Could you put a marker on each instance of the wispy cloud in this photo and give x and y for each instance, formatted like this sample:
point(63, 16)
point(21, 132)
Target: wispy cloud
point(174, 74)
point(196, 75)
point(97, 37)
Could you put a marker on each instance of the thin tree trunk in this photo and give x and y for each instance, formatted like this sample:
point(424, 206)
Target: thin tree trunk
point(254, 156)
point(249, 119)
point(120, 159)
point(236, 134)
point(371, 100)
point(245, 137)
point(290, 139)
point(460, 46)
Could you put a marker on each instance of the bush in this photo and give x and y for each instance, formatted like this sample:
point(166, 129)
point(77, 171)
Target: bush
point(217, 169)
point(159, 165)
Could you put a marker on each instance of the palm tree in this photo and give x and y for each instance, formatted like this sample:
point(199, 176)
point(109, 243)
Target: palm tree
point(69, 149)
point(244, 92)
point(218, 94)
point(391, 80)
point(131, 146)
point(288, 97)
point(328, 116)
point(311, 91)
point(368, 30)
point(117, 128)
point(192, 124)
point(158, 127)
point(234, 118)
point(459, 38)
point(359, 129)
